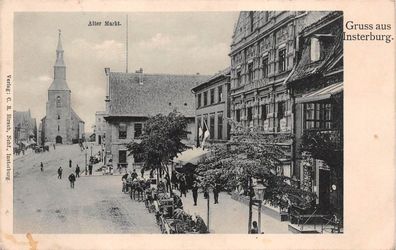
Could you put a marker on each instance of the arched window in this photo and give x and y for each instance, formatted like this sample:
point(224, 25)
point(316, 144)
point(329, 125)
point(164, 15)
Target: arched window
point(58, 101)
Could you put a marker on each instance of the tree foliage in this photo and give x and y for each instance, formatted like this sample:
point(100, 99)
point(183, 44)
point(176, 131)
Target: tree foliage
point(251, 155)
point(161, 140)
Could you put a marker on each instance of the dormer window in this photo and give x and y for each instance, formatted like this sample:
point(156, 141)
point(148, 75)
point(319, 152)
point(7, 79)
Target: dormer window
point(315, 49)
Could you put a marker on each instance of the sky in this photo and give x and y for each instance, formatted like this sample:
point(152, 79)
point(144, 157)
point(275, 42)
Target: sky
point(167, 42)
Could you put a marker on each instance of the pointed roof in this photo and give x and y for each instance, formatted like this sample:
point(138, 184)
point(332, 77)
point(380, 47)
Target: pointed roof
point(59, 48)
point(59, 82)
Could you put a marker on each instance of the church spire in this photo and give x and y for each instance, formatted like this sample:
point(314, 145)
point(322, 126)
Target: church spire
point(59, 52)
point(59, 82)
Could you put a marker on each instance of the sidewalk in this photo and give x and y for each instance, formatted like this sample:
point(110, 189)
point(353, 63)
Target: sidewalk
point(230, 216)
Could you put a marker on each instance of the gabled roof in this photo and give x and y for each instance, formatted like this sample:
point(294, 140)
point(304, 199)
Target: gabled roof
point(331, 51)
point(156, 94)
point(222, 73)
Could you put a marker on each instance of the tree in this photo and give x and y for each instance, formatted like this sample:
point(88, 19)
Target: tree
point(161, 141)
point(248, 156)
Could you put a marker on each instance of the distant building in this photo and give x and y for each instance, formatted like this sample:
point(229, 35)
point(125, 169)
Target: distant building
point(25, 128)
point(212, 107)
point(316, 85)
point(61, 123)
point(133, 97)
point(100, 127)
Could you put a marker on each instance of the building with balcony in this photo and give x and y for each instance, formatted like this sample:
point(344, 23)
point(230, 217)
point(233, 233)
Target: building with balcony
point(134, 97)
point(212, 107)
point(316, 87)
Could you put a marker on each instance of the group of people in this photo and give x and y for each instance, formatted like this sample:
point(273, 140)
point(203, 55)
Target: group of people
point(72, 177)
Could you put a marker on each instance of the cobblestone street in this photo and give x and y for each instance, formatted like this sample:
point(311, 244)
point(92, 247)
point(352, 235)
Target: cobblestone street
point(45, 204)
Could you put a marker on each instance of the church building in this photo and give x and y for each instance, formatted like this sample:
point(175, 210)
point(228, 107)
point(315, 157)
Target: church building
point(61, 123)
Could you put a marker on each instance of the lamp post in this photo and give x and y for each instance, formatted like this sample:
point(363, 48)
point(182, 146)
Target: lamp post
point(259, 196)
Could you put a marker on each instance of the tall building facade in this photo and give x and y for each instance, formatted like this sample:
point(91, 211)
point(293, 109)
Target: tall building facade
point(61, 124)
point(100, 127)
point(25, 128)
point(263, 54)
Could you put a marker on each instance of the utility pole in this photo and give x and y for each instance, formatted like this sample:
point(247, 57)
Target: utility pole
point(126, 46)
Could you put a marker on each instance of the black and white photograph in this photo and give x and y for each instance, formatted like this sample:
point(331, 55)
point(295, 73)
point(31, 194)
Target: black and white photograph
point(178, 122)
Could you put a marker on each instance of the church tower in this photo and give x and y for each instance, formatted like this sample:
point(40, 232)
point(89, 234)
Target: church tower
point(58, 121)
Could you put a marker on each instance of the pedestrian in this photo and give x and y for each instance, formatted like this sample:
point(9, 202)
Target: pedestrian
point(124, 182)
point(254, 229)
point(78, 171)
point(174, 180)
point(90, 169)
point(60, 172)
point(54, 146)
point(70, 163)
point(142, 171)
point(134, 175)
point(216, 191)
point(41, 167)
point(182, 187)
point(72, 179)
point(195, 192)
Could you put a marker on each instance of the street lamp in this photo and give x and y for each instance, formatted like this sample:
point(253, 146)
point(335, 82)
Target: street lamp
point(259, 196)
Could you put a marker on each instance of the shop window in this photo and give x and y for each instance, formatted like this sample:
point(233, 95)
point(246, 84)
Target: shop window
point(220, 125)
point(220, 93)
point(282, 60)
point(122, 131)
point(280, 113)
point(138, 129)
point(318, 116)
point(212, 96)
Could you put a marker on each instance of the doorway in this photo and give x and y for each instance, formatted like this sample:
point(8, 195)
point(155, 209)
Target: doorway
point(58, 139)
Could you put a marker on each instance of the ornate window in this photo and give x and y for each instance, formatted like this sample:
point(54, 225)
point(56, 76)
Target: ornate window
point(265, 67)
point(282, 60)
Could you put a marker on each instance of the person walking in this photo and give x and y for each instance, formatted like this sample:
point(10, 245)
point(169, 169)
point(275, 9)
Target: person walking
point(72, 179)
point(41, 167)
point(60, 172)
point(195, 192)
point(182, 187)
point(54, 147)
point(142, 172)
point(134, 175)
point(216, 191)
point(254, 229)
point(70, 163)
point(78, 171)
point(124, 182)
point(90, 169)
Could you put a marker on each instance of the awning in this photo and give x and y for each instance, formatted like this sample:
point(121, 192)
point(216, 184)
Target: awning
point(192, 155)
point(322, 94)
